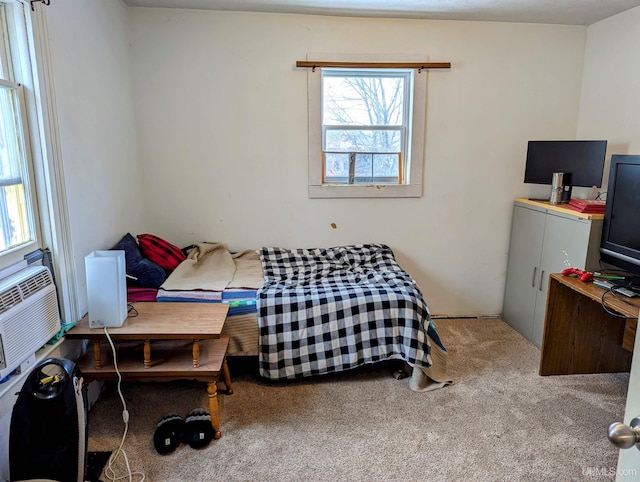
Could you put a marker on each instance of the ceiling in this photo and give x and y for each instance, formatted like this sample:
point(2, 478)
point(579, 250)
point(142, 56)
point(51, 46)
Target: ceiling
point(568, 12)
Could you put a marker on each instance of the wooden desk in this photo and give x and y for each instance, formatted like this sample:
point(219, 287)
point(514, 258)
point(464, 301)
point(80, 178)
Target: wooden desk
point(580, 336)
point(163, 342)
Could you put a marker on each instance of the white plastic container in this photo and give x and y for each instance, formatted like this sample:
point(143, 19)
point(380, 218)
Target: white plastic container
point(106, 288)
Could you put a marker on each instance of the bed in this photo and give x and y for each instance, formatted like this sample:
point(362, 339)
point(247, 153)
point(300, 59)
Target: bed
point(308, 312)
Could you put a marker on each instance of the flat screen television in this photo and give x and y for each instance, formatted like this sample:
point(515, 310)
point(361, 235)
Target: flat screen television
point(620, 244)
point(581, 161)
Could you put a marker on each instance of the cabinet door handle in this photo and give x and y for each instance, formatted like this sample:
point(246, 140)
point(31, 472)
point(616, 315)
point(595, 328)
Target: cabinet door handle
point(541, 278)
point(533, 280)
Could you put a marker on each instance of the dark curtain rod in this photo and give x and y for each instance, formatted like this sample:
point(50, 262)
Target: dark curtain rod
point(375, 65)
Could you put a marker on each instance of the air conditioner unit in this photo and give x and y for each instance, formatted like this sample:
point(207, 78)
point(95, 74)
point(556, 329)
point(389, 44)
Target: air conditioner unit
point(29, 315)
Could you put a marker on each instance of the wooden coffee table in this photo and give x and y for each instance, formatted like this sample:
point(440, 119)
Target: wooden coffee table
point(162, 342)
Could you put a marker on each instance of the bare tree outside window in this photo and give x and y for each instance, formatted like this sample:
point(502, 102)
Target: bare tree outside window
point(365, 123)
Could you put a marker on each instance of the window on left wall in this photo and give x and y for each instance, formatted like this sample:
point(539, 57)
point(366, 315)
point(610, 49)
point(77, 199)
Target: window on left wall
point(19, 221)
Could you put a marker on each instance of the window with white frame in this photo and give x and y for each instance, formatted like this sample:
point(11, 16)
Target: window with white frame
point(366, 132)
point(19, 232)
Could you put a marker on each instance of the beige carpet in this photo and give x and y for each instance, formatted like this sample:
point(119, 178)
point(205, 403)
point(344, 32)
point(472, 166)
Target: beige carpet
point(499, 421)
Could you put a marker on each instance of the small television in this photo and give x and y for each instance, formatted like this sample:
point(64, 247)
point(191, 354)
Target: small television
point(620, 244)
point(581, 161)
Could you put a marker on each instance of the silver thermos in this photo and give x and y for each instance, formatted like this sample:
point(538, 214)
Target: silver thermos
point(557, 185)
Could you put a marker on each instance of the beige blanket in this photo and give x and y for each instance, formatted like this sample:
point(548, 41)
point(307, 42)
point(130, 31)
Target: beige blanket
point(211, 267)
point(248, 270)
point(427, 379)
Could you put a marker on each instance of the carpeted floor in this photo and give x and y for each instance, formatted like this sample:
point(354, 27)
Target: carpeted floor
point(499, 421)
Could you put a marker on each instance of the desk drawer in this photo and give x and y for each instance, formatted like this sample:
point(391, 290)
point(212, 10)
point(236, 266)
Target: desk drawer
point(629, 338)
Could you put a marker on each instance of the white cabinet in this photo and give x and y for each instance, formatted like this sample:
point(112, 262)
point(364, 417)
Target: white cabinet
point(545, 239)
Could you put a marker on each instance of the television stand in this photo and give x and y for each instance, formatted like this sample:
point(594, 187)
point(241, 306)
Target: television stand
point(580, 336)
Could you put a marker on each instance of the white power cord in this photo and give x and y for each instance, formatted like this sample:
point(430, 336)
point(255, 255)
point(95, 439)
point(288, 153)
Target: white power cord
point(109, 472)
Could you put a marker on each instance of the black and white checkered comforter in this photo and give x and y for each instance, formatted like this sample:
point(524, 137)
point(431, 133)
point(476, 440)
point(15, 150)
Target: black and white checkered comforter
point(327, 310)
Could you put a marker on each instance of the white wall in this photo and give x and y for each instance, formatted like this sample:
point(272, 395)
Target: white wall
point(610, 100)
point(609, 104)
point(93, 94)
point(92, 89)
point(222, 132)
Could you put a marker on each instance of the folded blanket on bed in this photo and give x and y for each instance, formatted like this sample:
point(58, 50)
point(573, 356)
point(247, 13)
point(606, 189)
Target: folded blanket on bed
point(248, 270)
point(211, 267)
point(327, 310)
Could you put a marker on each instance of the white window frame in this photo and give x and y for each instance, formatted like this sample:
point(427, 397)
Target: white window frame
point(52, 224)
point(23, 77)
point(413, 171)
point(404, 129)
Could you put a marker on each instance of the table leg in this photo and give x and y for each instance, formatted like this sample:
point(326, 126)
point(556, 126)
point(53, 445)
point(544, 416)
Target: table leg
point(196, 353)
point(96, 354)
point(226, 377)
point(212, 391)
point(147, 353)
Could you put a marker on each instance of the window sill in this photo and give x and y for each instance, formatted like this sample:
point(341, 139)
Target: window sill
point(327, 191)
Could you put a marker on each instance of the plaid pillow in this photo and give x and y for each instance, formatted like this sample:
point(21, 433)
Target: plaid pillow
point(160, 251)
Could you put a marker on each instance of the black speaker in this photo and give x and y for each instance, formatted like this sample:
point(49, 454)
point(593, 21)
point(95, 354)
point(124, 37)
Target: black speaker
point(48, 435)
